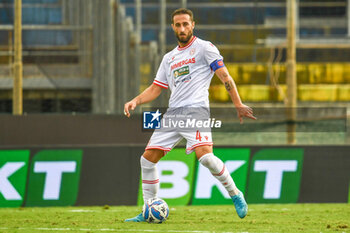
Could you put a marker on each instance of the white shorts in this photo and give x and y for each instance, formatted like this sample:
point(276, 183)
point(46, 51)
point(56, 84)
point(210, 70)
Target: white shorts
point(167, 140)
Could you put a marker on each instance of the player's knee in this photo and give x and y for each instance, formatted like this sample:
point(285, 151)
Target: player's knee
point(203, 150)
point(153, 155)
point(146, 163)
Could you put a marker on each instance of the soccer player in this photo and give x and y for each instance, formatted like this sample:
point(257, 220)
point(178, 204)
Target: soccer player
point(187, 71)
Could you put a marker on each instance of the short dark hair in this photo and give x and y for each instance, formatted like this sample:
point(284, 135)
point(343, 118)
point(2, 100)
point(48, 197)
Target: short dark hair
point(182, 11)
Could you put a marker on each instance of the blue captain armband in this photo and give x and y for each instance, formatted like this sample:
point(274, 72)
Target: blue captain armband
point(217, 64)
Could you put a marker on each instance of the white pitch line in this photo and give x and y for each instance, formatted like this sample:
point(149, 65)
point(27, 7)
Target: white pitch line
point(81, 211)
point(96, 211)
point(109, 229)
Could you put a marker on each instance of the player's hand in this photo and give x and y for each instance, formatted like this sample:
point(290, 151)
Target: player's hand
point(244, 111)
point(131, 105)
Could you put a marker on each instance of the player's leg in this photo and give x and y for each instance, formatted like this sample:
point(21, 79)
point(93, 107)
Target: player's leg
point(149, 172)
point(206, 157)
point(201, 143)
point(218, 169)
point(159, 144)
point(150, 178)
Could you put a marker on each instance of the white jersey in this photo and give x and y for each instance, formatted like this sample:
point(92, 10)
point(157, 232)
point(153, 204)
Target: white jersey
point(186, 71)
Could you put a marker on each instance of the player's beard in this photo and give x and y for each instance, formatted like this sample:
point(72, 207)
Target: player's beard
point(184, 40)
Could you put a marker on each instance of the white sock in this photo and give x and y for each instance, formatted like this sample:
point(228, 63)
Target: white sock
point(150, 179)
point(219, 171)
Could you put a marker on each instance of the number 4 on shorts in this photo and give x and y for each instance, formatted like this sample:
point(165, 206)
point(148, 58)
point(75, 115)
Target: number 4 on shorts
point(198, 136)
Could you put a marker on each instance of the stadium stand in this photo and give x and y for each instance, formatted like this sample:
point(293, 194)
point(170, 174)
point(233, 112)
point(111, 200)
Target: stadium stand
point(249, 33)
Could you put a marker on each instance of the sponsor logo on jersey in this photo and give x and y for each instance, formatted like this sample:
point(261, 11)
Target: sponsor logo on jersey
point(183, 62)
point(184, 80)
point(182, 71)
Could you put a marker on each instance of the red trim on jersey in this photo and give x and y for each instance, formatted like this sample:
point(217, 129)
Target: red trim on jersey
point(160, 84)
point(199, 144)
point(158, 147)
point(188, 45)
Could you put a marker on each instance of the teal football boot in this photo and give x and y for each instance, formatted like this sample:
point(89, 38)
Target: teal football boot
point(138, 218)
point(240, 204)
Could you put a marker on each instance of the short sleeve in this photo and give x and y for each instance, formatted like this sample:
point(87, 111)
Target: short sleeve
point(211, 53)
point(161, 79)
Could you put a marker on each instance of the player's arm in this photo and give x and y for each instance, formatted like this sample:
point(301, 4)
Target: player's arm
point(242, 109)
point(151, 93)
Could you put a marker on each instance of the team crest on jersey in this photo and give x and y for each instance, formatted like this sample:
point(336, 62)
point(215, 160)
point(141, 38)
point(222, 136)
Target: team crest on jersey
point(192, 51)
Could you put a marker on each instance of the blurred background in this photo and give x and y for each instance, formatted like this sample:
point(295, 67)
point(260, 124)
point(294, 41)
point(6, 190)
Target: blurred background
point(91, 56)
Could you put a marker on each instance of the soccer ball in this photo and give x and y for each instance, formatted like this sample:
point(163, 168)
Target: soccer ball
point(155, 210)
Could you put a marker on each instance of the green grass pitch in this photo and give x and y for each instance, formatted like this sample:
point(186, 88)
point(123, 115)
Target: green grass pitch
point(187, 219)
